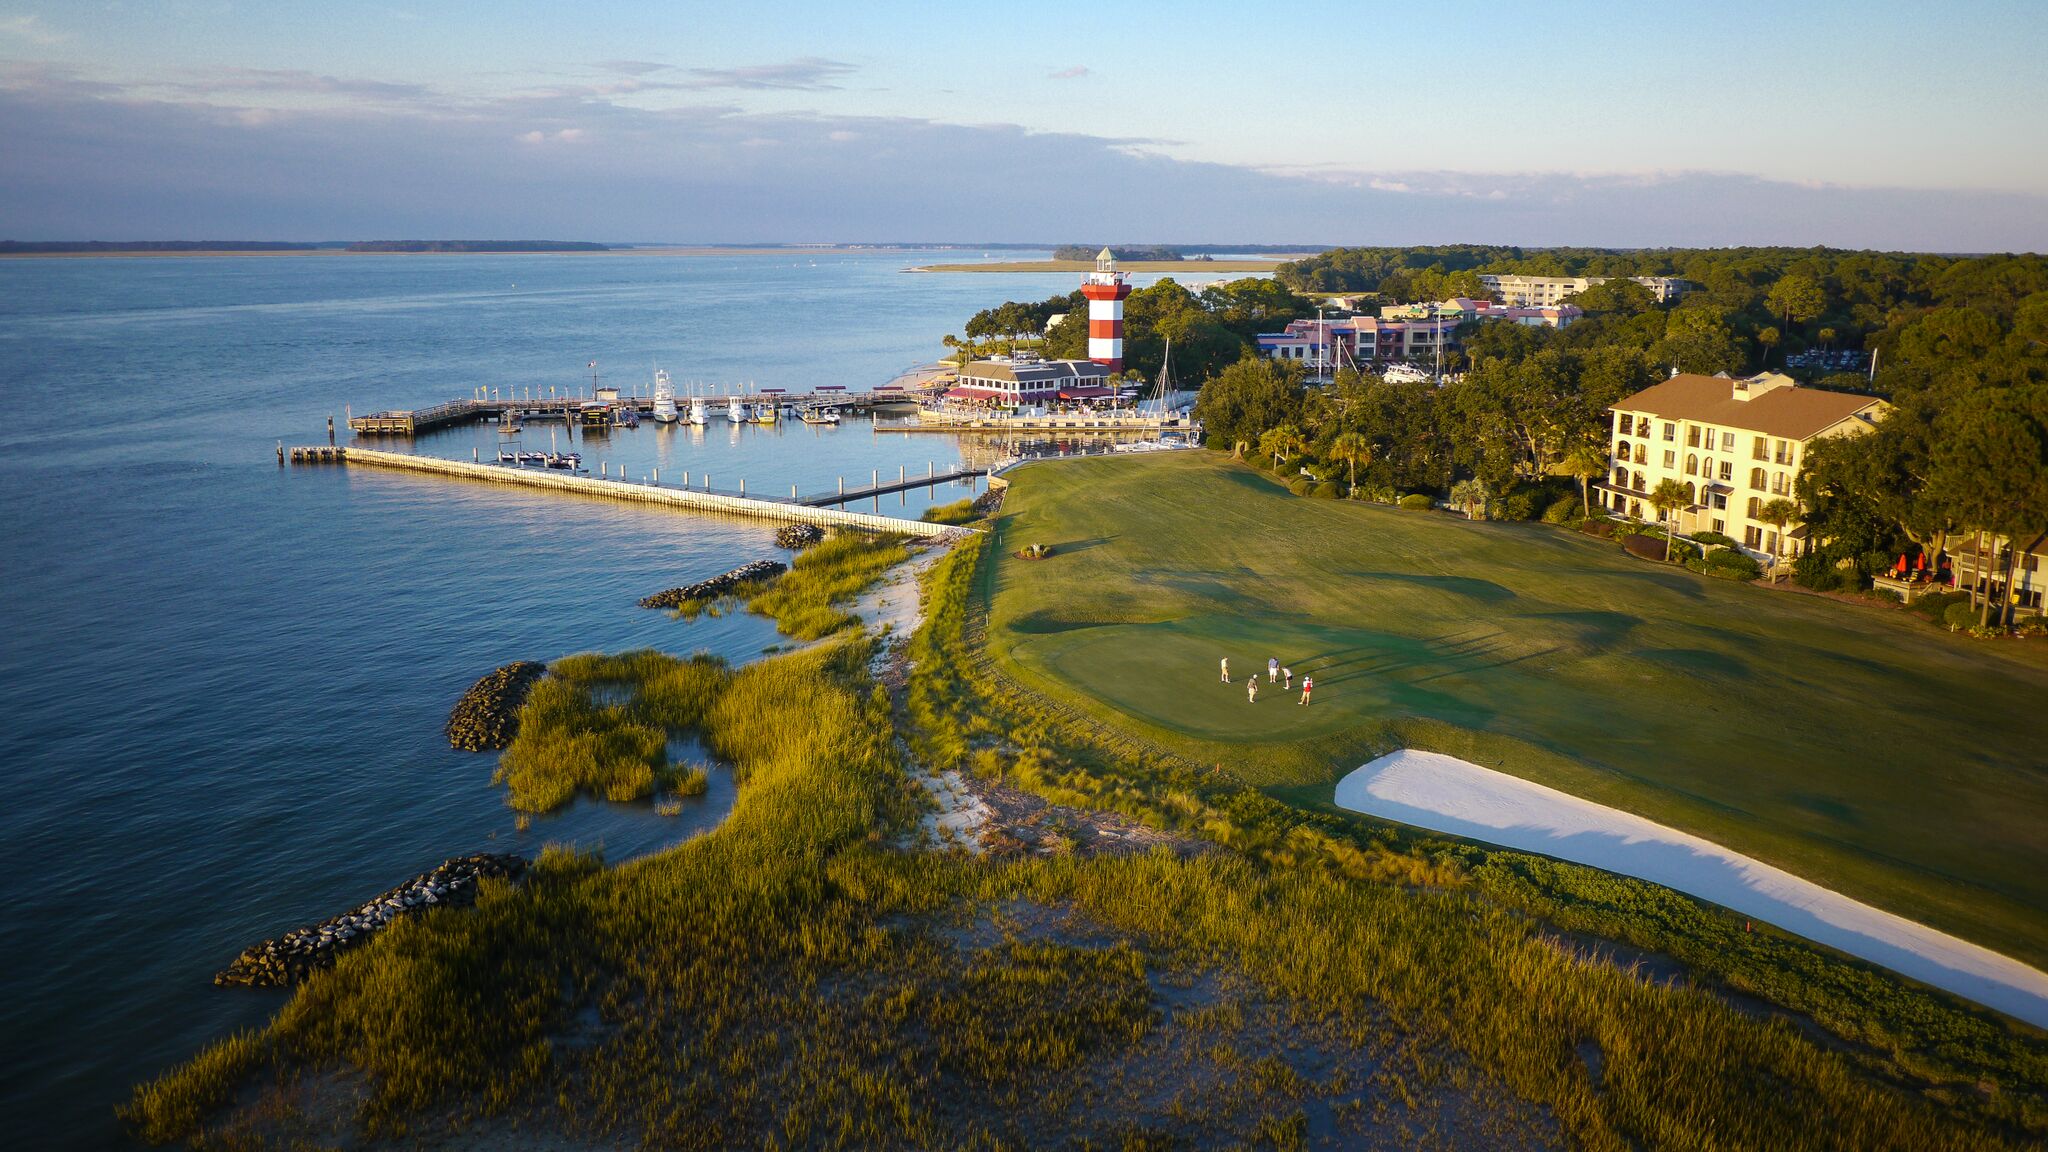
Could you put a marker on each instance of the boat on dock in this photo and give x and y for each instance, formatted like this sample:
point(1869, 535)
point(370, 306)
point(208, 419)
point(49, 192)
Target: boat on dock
point(736, 412)
point(826, 416)
point(664, 398)
point(765, 413)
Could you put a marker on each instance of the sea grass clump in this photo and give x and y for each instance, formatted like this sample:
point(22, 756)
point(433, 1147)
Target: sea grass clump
point(487, 716)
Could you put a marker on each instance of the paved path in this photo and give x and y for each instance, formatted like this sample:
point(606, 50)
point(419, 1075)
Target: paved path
point(1445, 794)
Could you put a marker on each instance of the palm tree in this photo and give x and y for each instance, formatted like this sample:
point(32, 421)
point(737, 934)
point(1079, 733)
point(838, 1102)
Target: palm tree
point(1282, 441)
point(1585, 461)
point(1352, 449)
point(1769, 339)
point(1468, 494)
point(1778, 512)
point(1668, 497)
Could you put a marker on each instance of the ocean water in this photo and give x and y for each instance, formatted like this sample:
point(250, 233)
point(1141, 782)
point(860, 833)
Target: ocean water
point(223, 682)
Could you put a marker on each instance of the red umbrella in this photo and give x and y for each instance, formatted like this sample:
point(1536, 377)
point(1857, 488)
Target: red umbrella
point(1900, 567)
point(1923, 561)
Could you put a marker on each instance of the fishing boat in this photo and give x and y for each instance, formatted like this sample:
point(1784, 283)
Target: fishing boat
point(664, 398)
point(765, 413)
point(736, 412)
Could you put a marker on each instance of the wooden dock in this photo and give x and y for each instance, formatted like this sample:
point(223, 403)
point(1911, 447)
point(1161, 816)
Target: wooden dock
point(700, 500)
point(904, 482)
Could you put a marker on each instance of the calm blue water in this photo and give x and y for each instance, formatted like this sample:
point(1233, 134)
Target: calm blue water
point(224, 682)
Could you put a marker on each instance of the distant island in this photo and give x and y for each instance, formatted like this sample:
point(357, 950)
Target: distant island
point(476, 246)
point(88, 247)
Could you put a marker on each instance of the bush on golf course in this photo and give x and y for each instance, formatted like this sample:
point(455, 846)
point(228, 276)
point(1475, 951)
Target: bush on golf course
point(1418, 501)
point(1326, 491)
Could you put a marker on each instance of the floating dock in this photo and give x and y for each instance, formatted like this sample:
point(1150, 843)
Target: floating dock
point(414, 421)
point(801, 511)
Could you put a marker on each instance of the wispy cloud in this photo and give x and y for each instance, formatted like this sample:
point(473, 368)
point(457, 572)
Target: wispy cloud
point(632, 67)
point(288, 82)
point(580, 162)
point(1074, 73)
point(803, 74)
point(30, 28)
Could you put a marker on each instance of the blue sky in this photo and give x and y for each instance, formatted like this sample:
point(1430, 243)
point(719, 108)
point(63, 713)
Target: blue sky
point(1877, 124)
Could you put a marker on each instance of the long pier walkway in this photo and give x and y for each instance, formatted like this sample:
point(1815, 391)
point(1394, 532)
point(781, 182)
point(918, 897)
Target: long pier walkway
point(812, 510)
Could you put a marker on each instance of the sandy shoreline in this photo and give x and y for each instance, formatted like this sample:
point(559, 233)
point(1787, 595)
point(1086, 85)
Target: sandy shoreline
point(1193, 267)
point(1445, 794)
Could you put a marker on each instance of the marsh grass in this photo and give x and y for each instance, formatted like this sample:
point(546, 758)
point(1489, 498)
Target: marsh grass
point(600, 725)
point(787, 979)
point(805, 601)
point(958, 512)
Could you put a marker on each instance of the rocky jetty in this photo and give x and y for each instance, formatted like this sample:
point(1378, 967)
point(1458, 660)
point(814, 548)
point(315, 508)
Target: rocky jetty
point(289, 958)
point(487, 716)
point(796, 537)
point(716, 586)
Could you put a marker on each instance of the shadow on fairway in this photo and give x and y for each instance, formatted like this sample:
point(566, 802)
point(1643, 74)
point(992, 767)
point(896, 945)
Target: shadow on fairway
point(1469, 587)
point(1697, 661)
point(1074, 546)
point(1593, 629)
point(1045, 623)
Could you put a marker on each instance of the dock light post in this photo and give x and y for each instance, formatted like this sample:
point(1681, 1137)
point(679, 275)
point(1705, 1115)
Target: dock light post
point(743, 486)
point(657, 477)
point(792, 491)
point(842, 485)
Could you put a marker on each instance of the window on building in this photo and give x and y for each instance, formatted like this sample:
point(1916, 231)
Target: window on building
point(1728, 470)
point(1727, 441)
point(1753, 537)
point(1621, 450)
point(1762, 449)
point(1640, 487)
point(1621, 477)
point(1721, 502)
point(1719, 525)
point(1692, 436)
point(1756, 479)
point(1642, 453)
point(1670, 458)
point(1756, 504)
point(1692, 464)
point(1691, 497)
point(1670, 431)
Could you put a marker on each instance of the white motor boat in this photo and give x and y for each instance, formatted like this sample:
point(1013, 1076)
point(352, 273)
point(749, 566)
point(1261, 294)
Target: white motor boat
point(697, 414)
point(736, 412)
point(664, 398)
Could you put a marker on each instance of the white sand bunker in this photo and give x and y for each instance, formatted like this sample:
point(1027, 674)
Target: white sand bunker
point(1446, 794)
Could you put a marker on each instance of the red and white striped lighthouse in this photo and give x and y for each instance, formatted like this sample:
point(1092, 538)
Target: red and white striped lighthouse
point(1105, 289)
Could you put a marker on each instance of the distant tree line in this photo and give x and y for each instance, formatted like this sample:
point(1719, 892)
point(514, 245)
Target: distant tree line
point(1085, 252)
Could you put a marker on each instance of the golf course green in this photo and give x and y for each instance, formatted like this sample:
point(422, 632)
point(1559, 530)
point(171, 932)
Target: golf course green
point(1855, 747)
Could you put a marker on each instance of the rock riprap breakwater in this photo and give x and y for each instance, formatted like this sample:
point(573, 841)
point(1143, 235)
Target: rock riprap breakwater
point(798, 536)
point(716, 586)
point(487, 716)
point(292, 956)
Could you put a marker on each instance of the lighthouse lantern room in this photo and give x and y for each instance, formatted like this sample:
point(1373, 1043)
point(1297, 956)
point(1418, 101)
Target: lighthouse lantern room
point(1105, 289)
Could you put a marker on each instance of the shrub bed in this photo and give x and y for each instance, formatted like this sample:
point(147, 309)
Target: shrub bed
point(1418, 502)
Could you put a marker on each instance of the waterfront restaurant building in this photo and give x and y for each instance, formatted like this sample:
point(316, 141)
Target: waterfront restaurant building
point(1734, 445)
point(1021, 379)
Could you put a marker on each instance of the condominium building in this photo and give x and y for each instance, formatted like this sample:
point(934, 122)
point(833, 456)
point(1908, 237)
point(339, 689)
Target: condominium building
point(1733, 445)
point(1539, 291)
point(1401, 332)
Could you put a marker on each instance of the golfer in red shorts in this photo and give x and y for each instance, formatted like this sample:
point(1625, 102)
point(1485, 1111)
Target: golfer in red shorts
point(1308, 685)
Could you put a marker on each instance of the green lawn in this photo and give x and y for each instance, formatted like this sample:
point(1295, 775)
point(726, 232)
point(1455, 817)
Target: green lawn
point(1855, 747)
